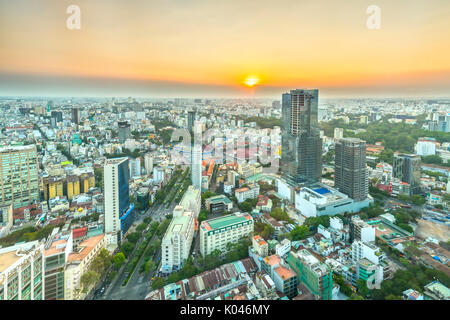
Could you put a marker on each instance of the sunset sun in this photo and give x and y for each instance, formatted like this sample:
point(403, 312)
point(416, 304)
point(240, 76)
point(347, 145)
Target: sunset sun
point(251, 81)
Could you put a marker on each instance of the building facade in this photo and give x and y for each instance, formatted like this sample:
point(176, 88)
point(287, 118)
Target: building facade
point(351, 176)
point(260, 246)
point(56, 254)
point(218, 204)
point(177, 241)
point(407, 169)
point(119, 215)
point(124, 131)
point(19, 184)
point(301, 145)
point(316, 276)
point(250, 192)
point(21, 272)
point(78, 262)
point(217, 233)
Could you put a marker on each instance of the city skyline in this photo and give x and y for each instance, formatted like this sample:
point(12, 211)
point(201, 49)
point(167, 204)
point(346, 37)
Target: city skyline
point(167, 48)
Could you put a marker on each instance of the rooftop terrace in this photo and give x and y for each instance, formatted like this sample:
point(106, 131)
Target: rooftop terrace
point(225, 221)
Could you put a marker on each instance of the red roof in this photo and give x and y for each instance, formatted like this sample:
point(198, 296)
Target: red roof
point(79, 232)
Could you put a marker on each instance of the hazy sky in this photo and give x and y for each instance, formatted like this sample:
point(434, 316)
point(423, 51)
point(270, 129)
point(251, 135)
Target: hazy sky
point(209, 48)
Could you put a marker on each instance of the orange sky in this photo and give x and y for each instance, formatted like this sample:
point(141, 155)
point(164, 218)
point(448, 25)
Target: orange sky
point(284, 43)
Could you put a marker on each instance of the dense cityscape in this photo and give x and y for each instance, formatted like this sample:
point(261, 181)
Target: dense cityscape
point(299, 198)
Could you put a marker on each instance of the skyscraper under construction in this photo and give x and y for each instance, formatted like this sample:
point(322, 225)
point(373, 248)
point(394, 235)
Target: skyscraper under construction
point(301, 145)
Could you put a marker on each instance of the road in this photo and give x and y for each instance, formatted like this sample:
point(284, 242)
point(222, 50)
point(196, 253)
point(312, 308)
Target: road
point(138, 285)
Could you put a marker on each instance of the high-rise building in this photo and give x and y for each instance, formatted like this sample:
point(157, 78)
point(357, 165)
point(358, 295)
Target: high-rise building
point(440, 122)
point(56, 116)
point(76, 115)
point(124, 131)
point(196, 157)
point(351, 176)
point(316, 276)
point(148, 163)
point(18, 176)
point(191, 119)
point(301, 150)
point(135, 167)
point(50, 105)
point(407, 168)
point(119, 214)
point(21, 272)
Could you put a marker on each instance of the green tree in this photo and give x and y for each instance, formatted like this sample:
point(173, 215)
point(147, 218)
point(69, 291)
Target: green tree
point(98, 174)
point(134, 237)
point(153, 226)
point(127, 248)
point(162, 228)
point(149, 266)
point(174, 277)
point(119, 259)
point(300, 233)
point(432, 159)
point(141, 227)
point(88, 279)
point(202, 216)
point(354, 296)
point(279, 214)
point(158, 283)
point(267, 232)
point(101, 262)
point(362, 287)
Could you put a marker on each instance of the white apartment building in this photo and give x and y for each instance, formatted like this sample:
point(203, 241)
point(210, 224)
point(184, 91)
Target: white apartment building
point(370, 251)
point(192, 200)
point(217, 233)
point(336, 223)
point(22, 272)
point(135, 167)
point(177, 241)
point(362, 230)
point(426, 147)
point(78, 262)
point(250, 192)
point(148, 163)
point(283, 247)
point(158, 174)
